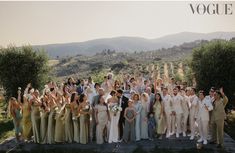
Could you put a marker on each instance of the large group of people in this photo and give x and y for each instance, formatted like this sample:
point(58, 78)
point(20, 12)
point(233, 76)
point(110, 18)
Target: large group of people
point(132, 109)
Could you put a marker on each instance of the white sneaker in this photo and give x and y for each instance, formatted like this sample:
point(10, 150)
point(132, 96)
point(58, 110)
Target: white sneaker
point(177, 135)
point(168, 135)
point(184, 134)
point(192, 138)
point(205, 142)
point(200, 140)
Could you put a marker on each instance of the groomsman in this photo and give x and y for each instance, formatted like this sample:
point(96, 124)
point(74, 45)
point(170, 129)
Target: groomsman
point(193, 106)
point(185, 104)
point(123, 102)
point(204, 106)
point(167, 107)
point(217, 118)
point(211, 98)
point(177, 101)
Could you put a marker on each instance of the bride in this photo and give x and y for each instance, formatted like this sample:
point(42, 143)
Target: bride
point(114, 117)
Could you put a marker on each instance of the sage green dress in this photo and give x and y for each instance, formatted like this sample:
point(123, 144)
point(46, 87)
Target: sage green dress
point(76, 127)
point(59, 126)
point(68, 124)
point(84, 128)
point(43, 126)
point(17, 121)
point(35, 118)
point(161, 124)
point(51, 126)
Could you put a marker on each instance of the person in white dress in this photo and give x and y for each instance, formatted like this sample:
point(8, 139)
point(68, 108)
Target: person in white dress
point(144, 114)
point(202, 116)
point(193, 106)
point(177, 101)
point(185, 106)
point(138, 107)
point(167, 107)
point(114, 120)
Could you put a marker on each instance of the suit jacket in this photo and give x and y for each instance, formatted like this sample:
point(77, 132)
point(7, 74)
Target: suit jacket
point(218, 112)
point(123, 104)
point(202, 112)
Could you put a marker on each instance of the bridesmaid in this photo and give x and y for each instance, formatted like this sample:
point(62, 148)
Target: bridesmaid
point(51, 119)
point(138, 107)
point(44, 119)
point(15, 110)
point(158, 112)
point(102, 117)
point(68, 120)
point(26, 120)
point(35, 103)
point(75, 118)
point(84, 111)
point(59, 125)
point(129, 128)
point(143, 116)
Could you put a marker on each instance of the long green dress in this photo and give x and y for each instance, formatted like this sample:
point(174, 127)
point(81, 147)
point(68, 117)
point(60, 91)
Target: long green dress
point(26, 122)
point(68, 124)
point(43, 126)
point(35, 118)
point(51, 126)
point(84, 129)
point(59, 126)
point(161, 126)
point(76, 128)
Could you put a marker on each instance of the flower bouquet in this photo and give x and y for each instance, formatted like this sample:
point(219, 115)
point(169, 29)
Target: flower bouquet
point(115, 109)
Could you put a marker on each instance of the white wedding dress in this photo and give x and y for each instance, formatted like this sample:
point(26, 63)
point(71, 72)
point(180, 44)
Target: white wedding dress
point(114, 132)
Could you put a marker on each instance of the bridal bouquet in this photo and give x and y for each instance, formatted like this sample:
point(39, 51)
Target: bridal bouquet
point(115, 109)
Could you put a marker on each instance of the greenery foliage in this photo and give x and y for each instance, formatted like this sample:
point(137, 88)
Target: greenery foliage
point(21, 65)
point(213, 65)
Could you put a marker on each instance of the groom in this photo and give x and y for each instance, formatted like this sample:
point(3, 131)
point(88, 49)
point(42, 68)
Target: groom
point(123, 102)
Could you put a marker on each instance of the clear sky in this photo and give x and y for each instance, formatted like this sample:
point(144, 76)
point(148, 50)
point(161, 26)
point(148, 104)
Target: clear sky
point(60, 22)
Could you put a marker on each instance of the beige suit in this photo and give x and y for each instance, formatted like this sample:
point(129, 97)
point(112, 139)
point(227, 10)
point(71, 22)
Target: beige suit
point(192, 113)
point(217, 119)
point(177, 102)
point(202, 116)
point(167, 104)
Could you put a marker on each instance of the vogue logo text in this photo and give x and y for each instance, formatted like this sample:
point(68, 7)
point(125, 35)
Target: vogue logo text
point(212, 9)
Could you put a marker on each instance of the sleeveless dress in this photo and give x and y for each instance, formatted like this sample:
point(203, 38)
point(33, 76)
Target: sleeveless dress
point(51, 126)
point(103, 120)
point(84, 128)
point(68, 124)
point(35, 118)
point(144, 122)
point(129, 128)
point(76, 129)
point(26, 122)
point(43, 126)
point(114, 132)
point(59, 124)
point(138, 107)
point(160, 128)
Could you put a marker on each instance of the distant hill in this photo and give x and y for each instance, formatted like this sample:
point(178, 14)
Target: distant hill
point(128, 44)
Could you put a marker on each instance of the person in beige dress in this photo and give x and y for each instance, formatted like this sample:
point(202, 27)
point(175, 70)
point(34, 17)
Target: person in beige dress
point(68, 121)
point(75, 118)
point(35, 103)
point(102, 117)
point(84, 111)
point(59, 124)
point(44, 120)
point(159, 116)
point(51, 119)
point(26, 117)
